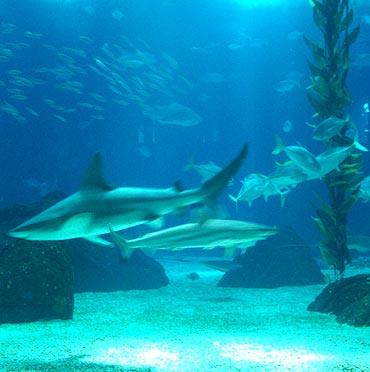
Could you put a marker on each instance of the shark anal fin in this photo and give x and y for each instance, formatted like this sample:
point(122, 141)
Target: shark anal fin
point(155, 222)
point(122, 245)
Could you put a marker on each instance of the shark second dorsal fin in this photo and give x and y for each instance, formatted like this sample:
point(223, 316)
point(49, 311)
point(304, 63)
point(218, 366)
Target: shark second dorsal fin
point(94, 179)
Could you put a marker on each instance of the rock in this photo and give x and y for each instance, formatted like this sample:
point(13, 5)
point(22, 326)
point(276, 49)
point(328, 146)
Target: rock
point(281, 260)
point(348, 299)
point(99, 269)
point(36, 281)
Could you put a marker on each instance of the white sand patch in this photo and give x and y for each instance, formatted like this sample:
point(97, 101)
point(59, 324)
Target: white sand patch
point(193, 326)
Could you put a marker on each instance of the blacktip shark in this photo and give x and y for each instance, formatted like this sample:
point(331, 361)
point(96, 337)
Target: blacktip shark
point(210, 234)
point(96, 208)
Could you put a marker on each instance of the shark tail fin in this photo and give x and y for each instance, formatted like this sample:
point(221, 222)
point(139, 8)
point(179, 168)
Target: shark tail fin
point(357, 145)
point(279, 148)
point(122, 244)
point(213, 187)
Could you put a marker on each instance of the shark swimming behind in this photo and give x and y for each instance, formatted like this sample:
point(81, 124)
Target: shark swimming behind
point(211, 234)
point(96, 208)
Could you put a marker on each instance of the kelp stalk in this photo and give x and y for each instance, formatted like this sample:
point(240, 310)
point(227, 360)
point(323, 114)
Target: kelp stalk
point(329, 96)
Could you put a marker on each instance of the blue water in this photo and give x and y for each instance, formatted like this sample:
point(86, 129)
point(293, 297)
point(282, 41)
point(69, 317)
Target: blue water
point(250, 46)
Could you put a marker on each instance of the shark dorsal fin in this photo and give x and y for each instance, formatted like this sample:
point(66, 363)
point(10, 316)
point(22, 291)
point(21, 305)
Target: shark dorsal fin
point(94, 179)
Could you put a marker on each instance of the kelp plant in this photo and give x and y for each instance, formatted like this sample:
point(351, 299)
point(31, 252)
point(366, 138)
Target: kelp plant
point(329, 97)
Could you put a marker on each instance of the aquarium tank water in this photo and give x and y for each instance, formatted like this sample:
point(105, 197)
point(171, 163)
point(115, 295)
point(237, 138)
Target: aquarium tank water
point(184, 185)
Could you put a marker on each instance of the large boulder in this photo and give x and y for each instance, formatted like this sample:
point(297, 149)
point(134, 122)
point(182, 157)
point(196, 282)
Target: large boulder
point(348, 299)
point(99, 269)
point(36, 281)
point(281, 260)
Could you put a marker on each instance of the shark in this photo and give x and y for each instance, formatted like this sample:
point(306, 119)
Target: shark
point(210, 234)
point(96, 208)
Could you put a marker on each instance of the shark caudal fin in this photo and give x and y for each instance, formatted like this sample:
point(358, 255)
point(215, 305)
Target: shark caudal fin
point(212, 188)
point(122, 244)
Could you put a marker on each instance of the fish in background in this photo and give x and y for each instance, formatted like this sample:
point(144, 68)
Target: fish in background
point(364, 192)
point(229, 234)
point(286, 86)
point(96, 208)
point(133, 73)
point(41, 187)
point(253, 187)
point(331, 158)
point(287, 126)
point(205, 171)
point(302, 166)
point(172, 114)
point(291, 81)
point(301, 157)
point(329, 128)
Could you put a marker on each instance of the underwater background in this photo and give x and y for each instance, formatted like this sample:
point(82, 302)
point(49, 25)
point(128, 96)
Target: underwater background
point(166, 90)
point(223, 59)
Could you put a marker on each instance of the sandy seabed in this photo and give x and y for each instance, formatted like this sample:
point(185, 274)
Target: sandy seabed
point(189, 326)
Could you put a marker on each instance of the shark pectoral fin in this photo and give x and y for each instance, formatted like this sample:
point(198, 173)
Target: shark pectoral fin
point(96, 239)
point(122, 244)
point(156, 222)
point(229, 251)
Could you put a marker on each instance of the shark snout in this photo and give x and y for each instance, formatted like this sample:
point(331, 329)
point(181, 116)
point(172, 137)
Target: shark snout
point(18, 233)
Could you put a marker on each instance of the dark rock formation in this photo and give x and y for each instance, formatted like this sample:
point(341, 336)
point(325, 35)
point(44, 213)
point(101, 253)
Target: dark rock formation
point(282, 260)
point(99, 269)
point(348, 299)
point(36, 281)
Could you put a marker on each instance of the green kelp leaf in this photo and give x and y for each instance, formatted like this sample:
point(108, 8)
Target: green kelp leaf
point(319, 106)
point(319, 19)
point(347, 21)
point(348, 204)
point(351, 37)
point(328, 224)
point(349, 172)
point(329, 254)
point(319, 225)
point(341, 55)
point(317, 50)
point(342, 6)
point(317, 71)
point(321, 87)
point(339, 183)
point(328, 211)
point(319, 7)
